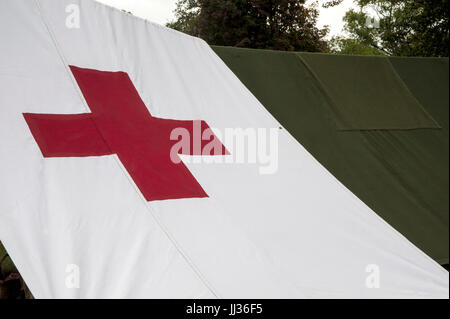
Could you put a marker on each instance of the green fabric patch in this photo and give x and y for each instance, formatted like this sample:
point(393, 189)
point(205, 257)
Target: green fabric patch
point(366, 93)
point(403, 175)
point(428, 79)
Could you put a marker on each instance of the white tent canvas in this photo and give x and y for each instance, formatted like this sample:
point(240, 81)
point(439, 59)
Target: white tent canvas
point(92, 226)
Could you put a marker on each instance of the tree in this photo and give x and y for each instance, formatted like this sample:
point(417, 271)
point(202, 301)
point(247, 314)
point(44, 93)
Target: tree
point(12, 285)
point(186, 14)
point(263, 24)
point(399, 27)
point(342, 45)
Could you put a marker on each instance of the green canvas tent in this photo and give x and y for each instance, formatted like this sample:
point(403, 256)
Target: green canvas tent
point(379, 124)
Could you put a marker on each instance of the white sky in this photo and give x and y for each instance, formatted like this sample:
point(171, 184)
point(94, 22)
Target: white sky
point(161, 11)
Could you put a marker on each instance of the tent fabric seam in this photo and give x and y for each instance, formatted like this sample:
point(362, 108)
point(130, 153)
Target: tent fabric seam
point(413, 96)
point(322, 88)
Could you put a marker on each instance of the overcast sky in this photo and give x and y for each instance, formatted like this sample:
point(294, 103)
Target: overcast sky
point(161, 11)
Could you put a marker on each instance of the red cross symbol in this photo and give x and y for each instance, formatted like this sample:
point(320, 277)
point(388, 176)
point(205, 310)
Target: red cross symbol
point(121, 124)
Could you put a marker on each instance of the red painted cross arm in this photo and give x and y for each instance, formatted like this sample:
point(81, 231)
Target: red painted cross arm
point(71, 135)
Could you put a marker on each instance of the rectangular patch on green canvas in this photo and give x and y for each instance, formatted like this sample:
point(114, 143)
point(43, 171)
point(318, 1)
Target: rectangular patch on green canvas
point(366, 93)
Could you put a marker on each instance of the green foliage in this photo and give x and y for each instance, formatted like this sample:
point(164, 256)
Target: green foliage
point(263, 24)
point(186, 13)
point(6, 265)
point(332, 3)
point(406, 27)
point(340, 45)
point(12, 285)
